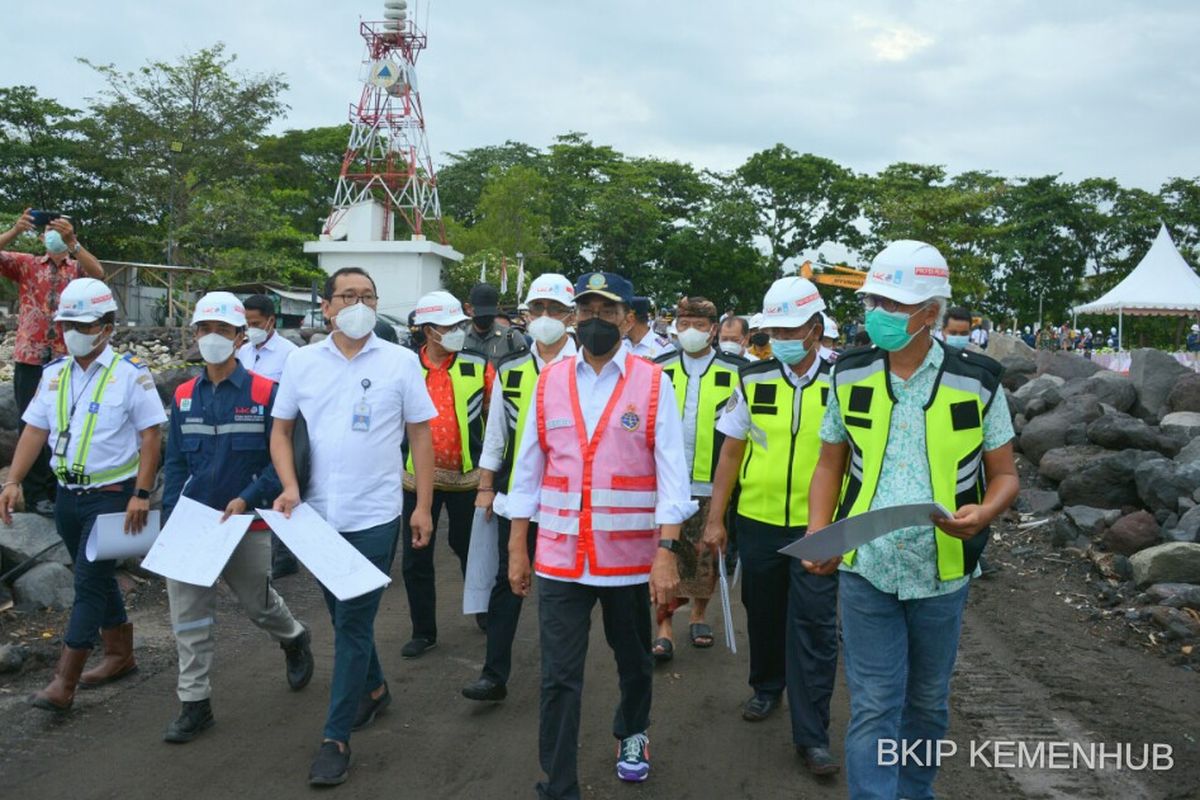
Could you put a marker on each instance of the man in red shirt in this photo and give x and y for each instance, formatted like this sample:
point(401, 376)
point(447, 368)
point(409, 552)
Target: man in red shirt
point(40, 281)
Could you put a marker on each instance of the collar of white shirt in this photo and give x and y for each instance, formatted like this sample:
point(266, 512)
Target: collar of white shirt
point(103, 360)
point(372, 344)
point(569, 349)
point(617, 362)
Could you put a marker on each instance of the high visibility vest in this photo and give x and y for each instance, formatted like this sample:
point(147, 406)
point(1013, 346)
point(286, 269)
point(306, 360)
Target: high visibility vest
point(962, 394)
point(716, 385)
point(77, 473)
point(518, 376)
point(467, 380)
point(784, 442)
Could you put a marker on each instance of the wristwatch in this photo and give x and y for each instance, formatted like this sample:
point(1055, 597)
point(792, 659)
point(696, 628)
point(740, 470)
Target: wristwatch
point(142, 494)
point(73, 250)
point(674, 545)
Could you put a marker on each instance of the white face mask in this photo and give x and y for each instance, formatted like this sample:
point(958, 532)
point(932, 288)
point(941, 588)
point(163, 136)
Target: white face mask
point(356, 321)
point(693, 341)
point(256, 336)
point(215, 348)
point(547, 330)
point(732, 348)
point(80, 344)
point(454, 340)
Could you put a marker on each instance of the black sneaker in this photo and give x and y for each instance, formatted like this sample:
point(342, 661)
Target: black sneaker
point(330, 766)
point(417, 648)
point(298, 652)
point(760, 706)
point(819, 760)
point(485, 690)
point(195, 717)
point(369, 708)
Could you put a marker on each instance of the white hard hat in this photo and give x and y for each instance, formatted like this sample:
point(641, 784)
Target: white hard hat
point(1196, 329)
point(790, 302)
point(84, 300)
point(1027, 329)
point(551, 286)
point(831, 328)
point(1114, 330)
point(439, 308)
point(1089, 330)
point(908, 272)
point(756, 321)
point(220, 307)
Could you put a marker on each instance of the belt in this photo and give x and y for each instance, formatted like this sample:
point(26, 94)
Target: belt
point(260, 525)
point(123, 486)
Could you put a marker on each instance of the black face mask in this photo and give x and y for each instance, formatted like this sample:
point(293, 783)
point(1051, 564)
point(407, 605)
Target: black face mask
point(597, 336)
point(484, 323)
point(759, 339)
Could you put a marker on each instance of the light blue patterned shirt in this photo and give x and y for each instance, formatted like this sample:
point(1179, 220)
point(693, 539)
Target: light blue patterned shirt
point(904, 562)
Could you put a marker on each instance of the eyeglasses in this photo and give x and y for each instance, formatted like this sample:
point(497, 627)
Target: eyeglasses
point(538, 309)
point(350, 298)
point(873, 301)
point(606, 313)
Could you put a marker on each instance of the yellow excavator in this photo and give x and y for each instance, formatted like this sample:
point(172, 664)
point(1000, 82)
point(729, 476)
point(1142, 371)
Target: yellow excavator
point(833, 275)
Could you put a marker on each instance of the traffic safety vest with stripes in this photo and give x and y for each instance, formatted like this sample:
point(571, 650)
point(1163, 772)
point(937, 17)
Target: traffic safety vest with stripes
point(716, 385)
point(597, 496)
point(467, 375)
point(518, 376)
point(76, 474)
point(963, 392)
point(784, 442)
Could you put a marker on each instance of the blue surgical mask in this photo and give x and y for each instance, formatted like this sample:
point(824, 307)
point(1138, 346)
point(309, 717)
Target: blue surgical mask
point(958, 340)
point(888, 329)
point(789, 351)
point(54, 242)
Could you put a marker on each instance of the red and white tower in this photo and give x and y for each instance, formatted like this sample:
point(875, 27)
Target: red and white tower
point(387, 170)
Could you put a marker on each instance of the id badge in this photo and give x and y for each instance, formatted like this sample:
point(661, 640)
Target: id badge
point(362, 418)
point(60, 444)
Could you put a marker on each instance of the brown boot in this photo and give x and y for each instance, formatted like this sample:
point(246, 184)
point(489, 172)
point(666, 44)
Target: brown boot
point(60, 693)
point(118, 658)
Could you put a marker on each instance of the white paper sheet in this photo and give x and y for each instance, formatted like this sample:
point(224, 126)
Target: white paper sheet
point(109, 541)
point(726, 607)
point(340, 568)
point(483, 559)
point(853, 532)
point(195, 545)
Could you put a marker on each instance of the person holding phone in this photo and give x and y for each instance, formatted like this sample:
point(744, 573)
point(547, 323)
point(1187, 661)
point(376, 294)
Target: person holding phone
point(40, 281)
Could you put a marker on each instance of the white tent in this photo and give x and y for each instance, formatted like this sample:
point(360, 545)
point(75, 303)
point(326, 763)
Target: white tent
point(1162, 284)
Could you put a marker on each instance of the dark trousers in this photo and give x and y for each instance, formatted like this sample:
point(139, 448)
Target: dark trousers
point(504, 610)
point(98, 602)
point(40, 483)
point(564, 622)
point(417, 566)
point(791, 617)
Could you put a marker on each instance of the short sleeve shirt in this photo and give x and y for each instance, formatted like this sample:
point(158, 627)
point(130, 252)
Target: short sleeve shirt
point(40, 284)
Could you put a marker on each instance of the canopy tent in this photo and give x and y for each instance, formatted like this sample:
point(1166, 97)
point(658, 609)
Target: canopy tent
point(1162, 284)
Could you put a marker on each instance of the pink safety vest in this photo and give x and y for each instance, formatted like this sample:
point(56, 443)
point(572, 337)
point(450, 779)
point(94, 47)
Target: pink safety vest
point(598, 496)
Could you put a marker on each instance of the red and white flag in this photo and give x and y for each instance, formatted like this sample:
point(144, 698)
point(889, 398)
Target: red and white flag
point(520, 278)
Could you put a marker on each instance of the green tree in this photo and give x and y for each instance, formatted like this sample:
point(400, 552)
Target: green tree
point(39, 151)
point(306, 164)
point(461, 181)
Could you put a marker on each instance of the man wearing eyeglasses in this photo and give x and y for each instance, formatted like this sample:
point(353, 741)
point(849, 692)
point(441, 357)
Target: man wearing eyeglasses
point(601, 466)
point(40, 281)
point(362, 398)
point(549, 308)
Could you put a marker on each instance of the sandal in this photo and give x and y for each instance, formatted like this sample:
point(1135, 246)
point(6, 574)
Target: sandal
point(663, 650)
point(701, 633)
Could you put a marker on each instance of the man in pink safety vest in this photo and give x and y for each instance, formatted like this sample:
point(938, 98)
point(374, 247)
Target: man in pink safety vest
point(601, 466)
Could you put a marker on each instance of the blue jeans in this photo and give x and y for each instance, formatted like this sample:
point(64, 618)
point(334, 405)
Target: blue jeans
point(98, 602)
point(899, 656)
point(356, 669)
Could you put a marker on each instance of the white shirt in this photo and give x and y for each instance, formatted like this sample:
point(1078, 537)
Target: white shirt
point(735, 421)
point(651, 346)
point(355, 481)
point(674, 503)
point(694, 368)
point(130, 405)
point(979, 336)
point(269, 359)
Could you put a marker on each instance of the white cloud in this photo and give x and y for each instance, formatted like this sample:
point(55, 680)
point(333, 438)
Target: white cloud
point(892, 42)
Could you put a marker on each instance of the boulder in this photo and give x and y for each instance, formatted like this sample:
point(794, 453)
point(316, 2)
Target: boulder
point(1187, 529)
point(1190, 452)
point(1174, 562)
point(8, 445)
point(1112, 388)
point(1186, 423)
point(12, 656)
point(1037, 501)
point(45, 586)
point(1170, 594)
point(1018, 370)
point(1105, 482)
point(1065, 365)
point(293, 335)
point(1037, 386)
point(1154, 374)
point(1045, 402)
point(1161, 482)
point(1185, 394)
point(1062, 533)
point(1091, 520)
point(1060, 462)
point(1123, 432)
point(1131, 533)
point(1001, 346)
point(1077, 434)
point(1178, 624)
point(28, 536)
point(1049, 431)
point(168, 381)
point(10, 417)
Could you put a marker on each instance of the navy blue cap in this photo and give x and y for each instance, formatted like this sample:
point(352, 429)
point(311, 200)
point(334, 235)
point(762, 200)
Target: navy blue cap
point(608, 285)
point(641, 306)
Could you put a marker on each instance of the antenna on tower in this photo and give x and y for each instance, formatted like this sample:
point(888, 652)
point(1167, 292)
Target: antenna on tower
point(387, 160)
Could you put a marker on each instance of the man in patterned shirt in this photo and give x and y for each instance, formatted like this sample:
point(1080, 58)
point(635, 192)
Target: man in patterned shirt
point(40, 281)
point(909, 420)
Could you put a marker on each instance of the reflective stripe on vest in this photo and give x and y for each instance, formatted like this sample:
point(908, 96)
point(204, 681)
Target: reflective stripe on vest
point(961, 395)
point(716, 385)
point(518, 379)
point(76, 474)
point(784, 443)
point(467, 375)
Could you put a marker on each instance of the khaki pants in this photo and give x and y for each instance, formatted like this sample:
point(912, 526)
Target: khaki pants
point(193, 612)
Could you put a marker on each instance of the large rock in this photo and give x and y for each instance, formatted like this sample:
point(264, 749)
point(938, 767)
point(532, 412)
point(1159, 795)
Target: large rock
point(168, 380)
point(1065, 365)
point(1131, 533)
point(1186, 423)
point(1187, 529)
point(8, 445)
point(1038, 385)
point(1060, 462)
point(292, 335)
point(1091, 520)
point(1154, 374)
point(10, 417)
point(1174, 562)
point(1123, 432)
point(1105, 482)
point(1185, 395)
point(1050, 430)
point(45, 586)
point(1037, 501)
point(1001, 347)
point(1018, 370)
point(28, 536)
point(1112, 388)
point(1162, 482)
point(1190, 452)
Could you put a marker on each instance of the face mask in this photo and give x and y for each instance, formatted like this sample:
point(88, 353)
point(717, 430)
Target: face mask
point(759, 339)
point(547, 330)
point(789, 351)
point(889, 329)
point(215, 348)
point(731, 348)
point(598, 337)
point(958, 340)
point(693, 341)
point(454, 340)
point(54, 242)
point(356, 321)
point(256, 336)
point(484, 323)
point(80, 344)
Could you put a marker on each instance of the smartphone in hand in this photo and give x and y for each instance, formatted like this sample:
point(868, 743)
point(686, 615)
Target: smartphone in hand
point(43, 218)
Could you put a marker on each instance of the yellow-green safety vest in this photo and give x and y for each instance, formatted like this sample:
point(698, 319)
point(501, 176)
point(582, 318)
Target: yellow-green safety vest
point(467, 375)
point(77, 473)
point(518, 376)
point(716, 385)
point(962, 393)
point(784, 442)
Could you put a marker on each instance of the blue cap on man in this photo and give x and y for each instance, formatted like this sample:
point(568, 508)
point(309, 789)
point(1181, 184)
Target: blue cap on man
point(608, 285)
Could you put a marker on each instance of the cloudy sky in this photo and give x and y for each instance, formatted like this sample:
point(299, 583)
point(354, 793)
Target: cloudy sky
point(1099, 88)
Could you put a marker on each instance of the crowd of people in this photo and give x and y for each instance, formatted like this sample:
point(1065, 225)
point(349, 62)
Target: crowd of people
point(622, 462)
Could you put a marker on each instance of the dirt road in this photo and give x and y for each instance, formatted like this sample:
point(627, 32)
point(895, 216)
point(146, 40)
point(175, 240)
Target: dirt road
point(1028, 670)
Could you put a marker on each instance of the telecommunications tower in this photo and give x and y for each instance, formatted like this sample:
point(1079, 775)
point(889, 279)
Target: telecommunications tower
point(387, 169)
